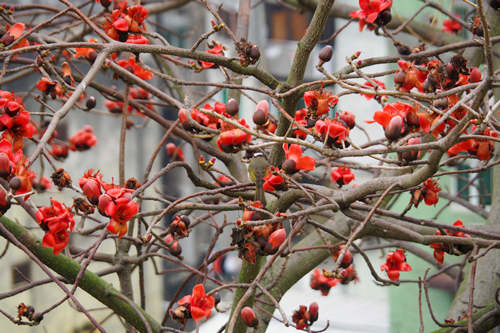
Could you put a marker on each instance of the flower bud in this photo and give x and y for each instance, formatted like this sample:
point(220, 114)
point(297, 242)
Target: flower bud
point(325, 55)
point(313, 311)
point(5, 167)
point(249, 317)
point(290, 167)
point(475, 75)
point(277, 238)
point(15, 183)
point(395, 129)
point(91, 103)
point(348, 118)
point(260, 118)
point(232, 107)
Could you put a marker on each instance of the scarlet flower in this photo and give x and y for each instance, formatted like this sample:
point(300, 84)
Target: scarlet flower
point(273, 181)
point(320, 282)
point(395, 262)
point(14, 119)
point(249, 317)
point(441, 248)
point(276, 238)
point(86, 52)
point(14, 32)
point(431, 191)
point(231, 141)
point(124, 21)
point(252, 215)
point(370, 13)
point(135, 68)
point(342, 176)
point(380, 84)
point(407, 77)
point(90, 184)
point(117, 203)
point(223, 180)
point(451, 26)
point(348, 275)
point(319, 101)
point(174, 151)
point(348, 118)
point(214, 48)
point(83, 139)
point(55, 220)
point(303, 318)
point(200, 305)
point(480, 148)
point(335, 129)
point(295, 161)
point(59, 151)
point(300, 119)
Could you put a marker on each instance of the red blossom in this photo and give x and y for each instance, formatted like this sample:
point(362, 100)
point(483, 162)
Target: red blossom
point(200, 305)
point(83, 139)
point(369, 12)
point(381, 85)
point(124, 21)
point(451, 26)
point(273, 181)
point(300, 119)
point(14, 32)
point(320, 282)
point(277, 238)
point(174, 152)
point(117, 203)
point(295, 161)
point(135, 68)
point(395, 263)
point(231, 141)
point(213, 48)
point(249, 317)
point(336, 131)
point(342, 176)
point(431, 191)
point(320, 101)
point(55, 220)
point(90, 184)
point(86, 52)
point(441, 248)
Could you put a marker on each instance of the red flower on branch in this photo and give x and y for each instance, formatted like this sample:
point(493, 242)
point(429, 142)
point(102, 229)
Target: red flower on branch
point(174, 152)
point(213, 48)
point(337, 132)
point(86, 52)
point(451, 26)
point(55, 220)
point(295, 161)
point(395, 263)
point(83, 139)
point(342, 176)
point(125, 21)
point(135, 68)
point(117, 204)
point(199, 304)
point(90, 184)
point(14, 32)
point(320, 101)
point(372, 12)
point(441, 248)
point(232, 140)
point(300, 119)
point(321, 282)
point(273, 181)
point(381, 85)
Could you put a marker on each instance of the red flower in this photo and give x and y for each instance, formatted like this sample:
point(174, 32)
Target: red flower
point(14, 32)
point(381, 85)
point(431, 192)
point(231, 141)
point(451, 26)
point(300, 119)
point(320, 282)
point(137, 39)
point(90, 184)
point(273, 181)
point(200, 305)
point(249, 317)
point(252, 215)
point(223, 180)
point(336, 131)
point(303, 318)
point(370, 11)
point(135, 68)
point(441, 248)
point(277, 238)
point(174, 152)
point(125, 20)
point(342, 176)
point(86, 52)
point(395, 262)
point(117, 203)
point(480, 148)
point(295, 161)
point(83, 139)
point(319, 101)
point(348, 118)
point(214, 48)
point(55, 220)
point(59, 151)
point(14, 119)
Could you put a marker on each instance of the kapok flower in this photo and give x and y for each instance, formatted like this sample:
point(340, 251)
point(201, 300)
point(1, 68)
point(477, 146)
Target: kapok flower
point(124, 21)
point(451, 26)
point(395, 263)
point(86, 52)
point(276, 238)
point(55, 220)
point(300, 119)
point(117, 204)
point(135, 68)
point(441, 248)
point(373, 12)
point(295, 161)
point(174, 152)
point(336, 131)
point(213, 48)
point(380, 84)
point(83, 139)
point(232, 140)
point(320, 101)
point(342, 176)
point(273, 181)
point(49, 87)
point(249, 317)
point(14, 32)
point(303, 318)
point(199, 304)
point(348, 118)
point(90, 184)
point(430, 192)
point(321, 282)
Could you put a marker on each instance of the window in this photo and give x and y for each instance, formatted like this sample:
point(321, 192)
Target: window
point(479, 190)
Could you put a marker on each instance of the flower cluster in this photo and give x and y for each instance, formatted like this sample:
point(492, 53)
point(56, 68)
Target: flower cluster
point(304, 318)
point(132, 66)
point(13, 168)
point(83, 139)
point(429, 193)
point(319, 102)
point(14, 119)
point(373, 13)
point(197, 306)
point(319, 281)
point(274, 181)
point(55, 220)
point(342, 176)
point(134, 94)
point(112, 201)
point(441, 248)
point(395, 262)
point(232, 139)
point(126, 24)
point(482, 149)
